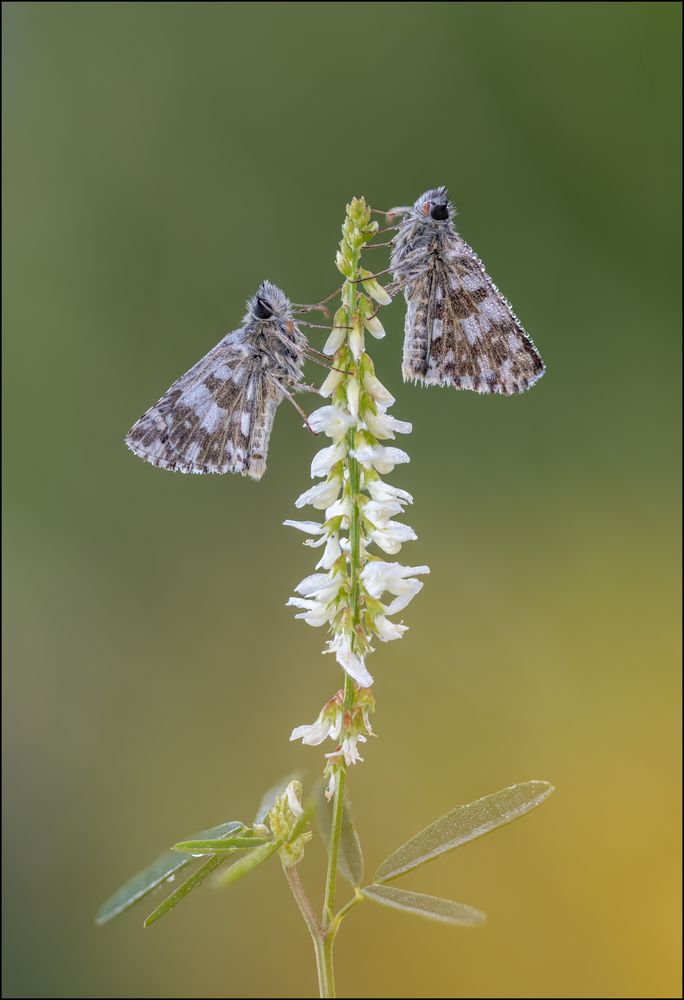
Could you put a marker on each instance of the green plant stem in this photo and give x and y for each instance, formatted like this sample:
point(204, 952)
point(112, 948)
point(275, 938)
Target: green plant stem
point(329, 924)
point(327, 983)
point(335, 832)
point(326, 986)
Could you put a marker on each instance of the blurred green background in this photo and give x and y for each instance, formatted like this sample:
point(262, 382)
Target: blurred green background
point(162, 158)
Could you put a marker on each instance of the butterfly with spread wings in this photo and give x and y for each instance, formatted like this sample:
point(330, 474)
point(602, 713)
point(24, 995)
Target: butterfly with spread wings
point(219, 415)
point(460, 330)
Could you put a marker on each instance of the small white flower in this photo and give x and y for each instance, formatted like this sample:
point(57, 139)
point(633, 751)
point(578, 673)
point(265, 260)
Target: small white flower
point(356, 341)
point(315, 543)
point(392, 536)
point(332, 553)
point(374, 326)
point(387, 630)
point(321, 495)
point(341, 508)
point(402, 600)
point(349, 750)
point(345, 545)
point(319, 592)
point(332, 421)
point(313, 735)
point(292, 793)
point(376, 389)
point(350, 661)
point(324, 460)
point(328, 724)
point(382, 425)
point(381, 492)
point(353, 393)
point(380, 513)
point(314, 613)
point(335, 340)
point(320, 586)
point(375, 289)
point(380, 458)
point(331, 383)
point(392, 578)
point(308, 527)
point(331, 787)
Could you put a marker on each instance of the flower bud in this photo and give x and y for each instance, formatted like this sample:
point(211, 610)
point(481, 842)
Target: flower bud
point(374, 289)
point(356, 340)
point(344, 265)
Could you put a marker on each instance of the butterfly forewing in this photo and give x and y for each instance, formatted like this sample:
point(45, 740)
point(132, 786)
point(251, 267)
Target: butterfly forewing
point(193, 427)
point(464, 334)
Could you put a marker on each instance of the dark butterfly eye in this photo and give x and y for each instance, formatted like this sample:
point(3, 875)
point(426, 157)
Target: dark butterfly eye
point(439, 212)
point(261, 310)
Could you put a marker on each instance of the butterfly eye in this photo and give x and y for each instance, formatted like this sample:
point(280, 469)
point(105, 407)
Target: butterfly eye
point(261, 310)
point(439, 212)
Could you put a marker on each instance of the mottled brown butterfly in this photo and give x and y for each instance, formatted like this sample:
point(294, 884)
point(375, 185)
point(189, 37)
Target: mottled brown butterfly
point(219, 415)
point(459, 330)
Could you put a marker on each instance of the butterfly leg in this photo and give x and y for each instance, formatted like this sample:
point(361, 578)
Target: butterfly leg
point(368, 277)
point(288, 395)
point(320, 306)
point(389, 213)
point(319, 326)
point(338, 290)
point(324, 361)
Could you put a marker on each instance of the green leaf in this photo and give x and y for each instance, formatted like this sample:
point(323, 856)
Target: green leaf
point(431, 907)
point(462, 824)
point(184, 888)
point(246, 863)
point(161, 870)
point(227, 846)
point(349, 858)
point(269, 798)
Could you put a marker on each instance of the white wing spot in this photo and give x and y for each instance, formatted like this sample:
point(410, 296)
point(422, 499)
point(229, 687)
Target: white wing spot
point(213, 417)
point(472, 282)
point(493, 309)
point(245, 420)
point(471, 328)
point(196, 396)
point(436, 329)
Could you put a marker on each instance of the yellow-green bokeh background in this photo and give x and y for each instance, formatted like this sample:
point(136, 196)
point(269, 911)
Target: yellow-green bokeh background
point(160, 159)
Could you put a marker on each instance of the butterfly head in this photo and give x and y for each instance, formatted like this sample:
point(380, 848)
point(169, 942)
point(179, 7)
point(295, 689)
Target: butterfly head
point(269, 303)
point(435, 205)
point(269, 319)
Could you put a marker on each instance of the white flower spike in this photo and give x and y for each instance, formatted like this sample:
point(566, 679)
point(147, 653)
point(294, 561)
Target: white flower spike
point(359, 523)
